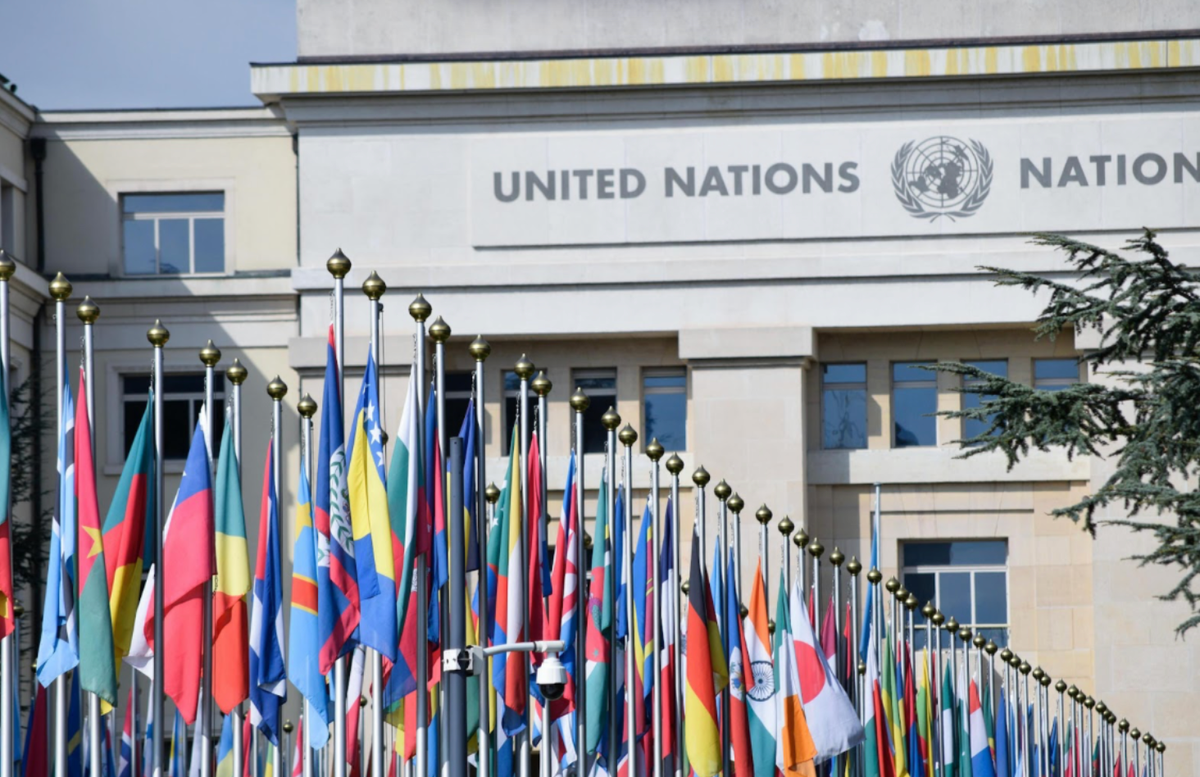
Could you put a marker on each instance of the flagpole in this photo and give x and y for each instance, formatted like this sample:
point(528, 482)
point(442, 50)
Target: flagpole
point(456, 683)
point(158, 336)
point(1030, 736)
point(307, 408)
point(722, 491)
point(480, 350)
point(338, 266)
point(611, 420)
point(701, 477)
point(209, 356)
point(654, 452)
point(628, 437)
point(1063, 747)
point(579, 404)
point(800, 540)
point(60, 290)
point(674, 467)
point(277, 390)
point(8, 646)
point(524, 369)
point(1040, 741)
point(763, 516)
point(735, 506)
point(419, 309)
point(236, 374)
point(439, 332)
point(1089, 704)
point(374, 287)
point(492, 495)
point(541, 386)
point(990, 649)
point(288, 728)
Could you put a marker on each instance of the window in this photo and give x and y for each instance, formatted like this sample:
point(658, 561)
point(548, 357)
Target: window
point(171, 234)
point(1055, 374)
point(972, 428)
point(8, 218)
point(843, 406)
point(458, 396)
point(512, 398)
point(914, 400)
point(664, 403)
point(601, 388)
point(968, 580)
point(183, 395)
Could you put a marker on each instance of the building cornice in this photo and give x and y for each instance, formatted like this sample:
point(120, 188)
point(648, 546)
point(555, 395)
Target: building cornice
point(15, 113)
point(161, 124)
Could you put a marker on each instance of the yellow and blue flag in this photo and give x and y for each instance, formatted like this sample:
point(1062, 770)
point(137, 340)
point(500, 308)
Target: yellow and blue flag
point(304, 635)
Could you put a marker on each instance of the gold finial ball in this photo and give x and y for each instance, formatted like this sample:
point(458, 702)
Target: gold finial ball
point(722, 490)
point(701, 477)
point(1005, 655)
point(210, 355)
point(524, 368)
point(874, 576)
point(419, 309)
point(854, 567)
point(18, 610)
point(891, 585)
point(743, 611)
point(862, 667)
point(627, 436)
point(1112, 717)
point(8, 267)
point(1073, 692)
point(1046, 679)
point(938, 619)
point(1101, 707)
point(901, 593)
point(763, 514)
point(362, 701)
point(236, 373)
point(979, 641)
point(1160, 747)
point(654, 450)
point(771, 626)
point(439, 331)
point(674, 464)
point(338, 265)
point(276, 389)
point(580, 402)
point(88, 311)
point(1024, 668)
point(587, 540)
point(1123, 726)
point(928, 610)
point(373, 286)
point(541, 385)
point(1060, 686)
point(952, 625)
point(685, 586)
point(60, 288)
point(815, 548)
point(801, 538)
point(480, 348)
point(990, 648)
point(287, 727)
point(911, 602)
point(610, 420)
point(307, 406)
point(786, 526)
point(492, 494)
point(836, 557)
point(1038, 674)
point(736, 503)
point(965, 634)
point(1136, 734)
point(158, 334)
point(1089, 702)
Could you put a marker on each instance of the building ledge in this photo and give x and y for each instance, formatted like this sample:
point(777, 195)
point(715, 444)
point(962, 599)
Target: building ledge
point(939, 465)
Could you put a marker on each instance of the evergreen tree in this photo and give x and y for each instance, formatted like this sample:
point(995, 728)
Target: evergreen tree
point(1146, 309)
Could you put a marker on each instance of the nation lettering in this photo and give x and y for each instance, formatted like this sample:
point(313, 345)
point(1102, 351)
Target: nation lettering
point(1147, 169)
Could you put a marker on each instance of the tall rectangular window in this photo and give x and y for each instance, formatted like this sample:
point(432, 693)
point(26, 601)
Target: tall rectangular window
point(1055, 374)
point(914, 400)
point(512, 400)
point(8, 217)
point(173, 234)
point(458, 396)
point(183, 396)
point(664, 404)
point(843, 406)
point(601, 388)
point(968, 580)
point(998, 367)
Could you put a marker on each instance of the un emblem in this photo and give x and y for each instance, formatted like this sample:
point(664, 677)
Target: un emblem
point(942, 176)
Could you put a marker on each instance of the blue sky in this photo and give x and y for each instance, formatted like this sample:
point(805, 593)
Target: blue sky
point(71, 54)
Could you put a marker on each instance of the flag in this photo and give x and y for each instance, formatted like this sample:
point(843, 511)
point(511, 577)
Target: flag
point(762, 702)
point(298, 758)
point(560, 622)
point(891, 708)
point(643, 640)
point(829, 633)
point(916, 762)
point(868, 610)
point(948, 724)
point(354, 687)
point(97, 667)
point(58, 649)
point(404, 505)
point(36, 750)
point(7, 622)
point(981, 754)
point(74, 730)
point(700, 706)
point(129, 532)
point(832, 720)
point(597, 645)
point(795, 749)
point(741, 682)
point(231, 638)
point(125, 768)
point(369, 519)
point(508, 624)
point(536, 610)
point(337, 586)
point(1002, 737)
point(304, 630)
point(925, 718)
point(268, 686)
point(225, 765)
point(877, 750)
point(147, 758)
point(668, 585)
point(963, 726)
point(178, 756)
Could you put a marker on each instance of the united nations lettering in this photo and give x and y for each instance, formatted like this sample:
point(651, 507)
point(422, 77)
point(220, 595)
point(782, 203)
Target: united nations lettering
point(942, 176)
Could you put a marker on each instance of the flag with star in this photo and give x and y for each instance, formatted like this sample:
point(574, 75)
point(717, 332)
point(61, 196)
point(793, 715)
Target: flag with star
point(97, 662)
point(370, 522)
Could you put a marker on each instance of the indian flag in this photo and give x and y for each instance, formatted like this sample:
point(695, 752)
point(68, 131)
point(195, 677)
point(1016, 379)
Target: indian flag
point(761, 697)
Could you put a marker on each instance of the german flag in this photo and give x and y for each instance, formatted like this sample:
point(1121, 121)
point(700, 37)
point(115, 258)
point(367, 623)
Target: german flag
point(700, 706)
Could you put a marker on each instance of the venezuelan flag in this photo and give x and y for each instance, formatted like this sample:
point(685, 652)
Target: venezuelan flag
point(231, 631)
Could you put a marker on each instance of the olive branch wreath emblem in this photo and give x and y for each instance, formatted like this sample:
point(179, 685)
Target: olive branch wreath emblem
point(969, 206)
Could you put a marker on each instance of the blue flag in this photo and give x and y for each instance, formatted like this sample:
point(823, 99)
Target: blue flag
point(58, 650)
point(1002, 767)
point(467, 433)
point(74, 730)
point(268, 677)
point(304, 635)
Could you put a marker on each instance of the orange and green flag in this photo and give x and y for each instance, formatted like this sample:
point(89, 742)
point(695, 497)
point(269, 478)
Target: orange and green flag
point(231, 632)
point(700, 704)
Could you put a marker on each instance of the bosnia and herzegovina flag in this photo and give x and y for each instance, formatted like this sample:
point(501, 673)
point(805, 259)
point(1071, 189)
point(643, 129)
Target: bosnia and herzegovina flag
point(700, 704)
point(231, 638)
point(504, 546)
point(304, 635)
point(129, 532)
point(6, 578)
point(268, 678)
point(369, 520)
point(97, 662)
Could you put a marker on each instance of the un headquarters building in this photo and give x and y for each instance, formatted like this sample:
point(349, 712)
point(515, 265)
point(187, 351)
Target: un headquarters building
point(744, 224)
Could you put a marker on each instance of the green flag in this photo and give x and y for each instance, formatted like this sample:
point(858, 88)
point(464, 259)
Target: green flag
point(948, 725)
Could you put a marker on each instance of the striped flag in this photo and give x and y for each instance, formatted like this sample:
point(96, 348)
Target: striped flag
point(597, 645)
point(304, 630)
point(668, 586)
point(268, 686)
point(535, 625)
point(565, 589)
point(7, 623)
point(97, 665)
point(1002, 737)
point(125, 762)
point(762, 714)
point(741, 682)
point(700, 707)
point(404, 504)
point(981, 753)
point(58, 649)
point(892, 707)
point(231, 637)
point(178, 757)
point(795, 749)
point(877, 748)
point(509, 623)
point(947, 723)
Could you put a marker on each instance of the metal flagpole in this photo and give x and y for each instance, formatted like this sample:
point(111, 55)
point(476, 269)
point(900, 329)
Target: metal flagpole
point(288, 728)
point(934, 735)
point(952, 630)
point(524, 369)
point(492, 495)
point(943, 735)
point(1025, 702)
point(88, 312)
point(785, 528)
point(307, 408)
point(1039, 733)
point(277, 390)
point(579, 404)
point(611, 420)
point(763, 515)
point(675, 466)
point(158, 336)
point(8, 646)
point(1063, 749)
point(1123, 727)
point(419, 309)
point(236, 374)
point(456, 683)
point(439, 332)
point(990, 649)
point(654, 452)
point(815, 548)
point(480, 350)
point(910, 604)
point(338, 266)
point(628, 437)
point(541, 386)
point(722, 491)
point(854, 682)
point(209, 356)
point(735, 506)
point(836, 558)
point(700, 478)
point(60, 290)
point(374, 287)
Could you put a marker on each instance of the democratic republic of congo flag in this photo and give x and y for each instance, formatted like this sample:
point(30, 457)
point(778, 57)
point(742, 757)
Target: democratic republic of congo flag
point(702, 735)
point(97, 663)
point(304, 635)
point(6, 578)
point(231, 636)
point(129, 532)
point(372, 528)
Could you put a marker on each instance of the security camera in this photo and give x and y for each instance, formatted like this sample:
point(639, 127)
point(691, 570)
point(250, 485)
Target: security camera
point(552, 678)
point(462, 661)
